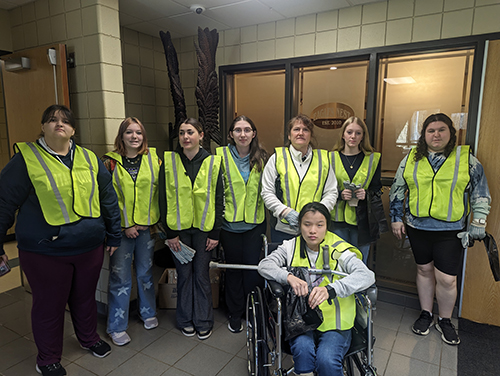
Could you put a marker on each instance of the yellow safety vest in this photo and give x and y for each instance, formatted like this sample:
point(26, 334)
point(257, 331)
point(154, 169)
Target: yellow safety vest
point(191, 205)
point(243, 201)
point(441, 194)
point(297, 193)
point(340, 315)
point(138, 200)
point(342, 212)
point(65, 195)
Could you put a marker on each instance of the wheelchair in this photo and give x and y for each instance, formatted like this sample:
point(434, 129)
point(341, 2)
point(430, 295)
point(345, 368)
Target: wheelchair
point(264, 328)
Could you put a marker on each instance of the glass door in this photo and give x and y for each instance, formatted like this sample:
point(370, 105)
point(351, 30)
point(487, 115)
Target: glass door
point(410, 89)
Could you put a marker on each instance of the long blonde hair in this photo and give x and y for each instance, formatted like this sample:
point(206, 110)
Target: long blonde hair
point(364, 145)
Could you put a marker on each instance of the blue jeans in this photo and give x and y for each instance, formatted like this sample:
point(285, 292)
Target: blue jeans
point(322, 352)
point(140, 250)
point(350, 234)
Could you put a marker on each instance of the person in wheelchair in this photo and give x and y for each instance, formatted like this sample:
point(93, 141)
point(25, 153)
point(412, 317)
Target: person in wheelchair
point(321, 350)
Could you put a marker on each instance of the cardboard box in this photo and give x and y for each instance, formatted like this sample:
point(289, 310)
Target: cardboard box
point(167, 289)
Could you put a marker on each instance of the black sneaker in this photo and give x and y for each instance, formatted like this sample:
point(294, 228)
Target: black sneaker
point(448, 331)
point(189, 331)
point(205, 334)
point(99, 349)
point(51, 369)
point(423, 323)
point(235, 326)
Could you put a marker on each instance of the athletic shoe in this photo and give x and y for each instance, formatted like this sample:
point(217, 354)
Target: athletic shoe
point(188, 331)
point(120, 338)
point(205, 334)
point(99, 349)
point(423, 323)
point(54, 369)
point(235, 326)
point(151, 323)
point(448, 331)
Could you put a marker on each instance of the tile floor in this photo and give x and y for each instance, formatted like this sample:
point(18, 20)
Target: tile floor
point(165, 351)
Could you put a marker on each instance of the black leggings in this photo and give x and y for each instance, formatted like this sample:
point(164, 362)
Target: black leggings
point(442, 247)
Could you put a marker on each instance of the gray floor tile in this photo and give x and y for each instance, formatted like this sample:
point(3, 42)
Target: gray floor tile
point(7, 335)
point(236, 366)
point(380, 359)
point(14, 311)
point(21, 326)
point(172, 371)
point(400, 365)
point(204, 360)
point(72, 349)
point(141, 337)
point(223, 339)
point(170, 348)
point(25, 368)
point(75, 370)
point(388, 318)
point(447, 372)
point(166, 319)
point(118, 356)
point(418, 347)
point(15, 352)
point(449, 356)
point(385, 337)
point(140, 364)
point(7, 299)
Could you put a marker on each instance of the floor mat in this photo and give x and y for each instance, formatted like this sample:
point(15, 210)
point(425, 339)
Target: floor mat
point(479, 350)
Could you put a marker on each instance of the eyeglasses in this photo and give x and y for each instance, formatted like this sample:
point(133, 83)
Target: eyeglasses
point(239, 130)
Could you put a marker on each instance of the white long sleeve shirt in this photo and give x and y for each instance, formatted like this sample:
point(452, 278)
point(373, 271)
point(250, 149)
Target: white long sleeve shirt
point(274, 204)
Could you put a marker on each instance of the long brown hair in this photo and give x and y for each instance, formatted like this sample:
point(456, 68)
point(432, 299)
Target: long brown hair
point(364, 145)
point(120, 145)
point(422, 150)
point(258, 155)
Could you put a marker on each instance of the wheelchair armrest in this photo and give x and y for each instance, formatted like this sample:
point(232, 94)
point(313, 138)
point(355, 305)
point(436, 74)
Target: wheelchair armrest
point(276, 289)
point(371, 293)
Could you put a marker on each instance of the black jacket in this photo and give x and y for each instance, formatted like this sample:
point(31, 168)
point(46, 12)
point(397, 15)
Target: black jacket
point(34, 234)
point(192, 167)
point(371, 218)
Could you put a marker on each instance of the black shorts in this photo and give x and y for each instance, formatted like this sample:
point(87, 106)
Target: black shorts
point(442, 247)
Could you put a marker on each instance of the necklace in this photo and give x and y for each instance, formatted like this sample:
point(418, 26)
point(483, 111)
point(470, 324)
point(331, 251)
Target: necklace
point(132, 161)
point(351, 163)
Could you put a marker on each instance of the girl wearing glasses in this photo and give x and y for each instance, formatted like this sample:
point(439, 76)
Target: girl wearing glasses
point(244, 215)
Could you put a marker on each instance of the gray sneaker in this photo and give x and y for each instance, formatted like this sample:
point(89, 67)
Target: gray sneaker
point(120, 338)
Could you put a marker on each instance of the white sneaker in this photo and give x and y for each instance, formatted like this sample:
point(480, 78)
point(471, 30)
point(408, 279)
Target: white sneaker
point(151, 323)
point(120, 338)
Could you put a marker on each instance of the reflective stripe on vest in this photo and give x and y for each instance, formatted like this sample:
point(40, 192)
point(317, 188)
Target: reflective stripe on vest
point(342, 212)
point(243, 201)
point(441, 194)
point(138, 200)
point(340, 315)
point(191, 205)
point(297, 193)
point(78, 184)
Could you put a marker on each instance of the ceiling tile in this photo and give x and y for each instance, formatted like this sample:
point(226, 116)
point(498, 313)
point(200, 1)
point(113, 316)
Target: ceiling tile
point(294, 8)
point(187, 25)
point(244, 14)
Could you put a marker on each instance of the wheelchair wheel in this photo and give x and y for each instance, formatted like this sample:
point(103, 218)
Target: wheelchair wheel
point(257, 352)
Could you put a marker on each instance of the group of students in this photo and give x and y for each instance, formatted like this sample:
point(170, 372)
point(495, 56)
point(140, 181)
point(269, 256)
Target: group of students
point(71, 208)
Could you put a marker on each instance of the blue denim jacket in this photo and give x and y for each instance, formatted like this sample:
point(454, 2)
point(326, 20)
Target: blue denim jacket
point(479, 197)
